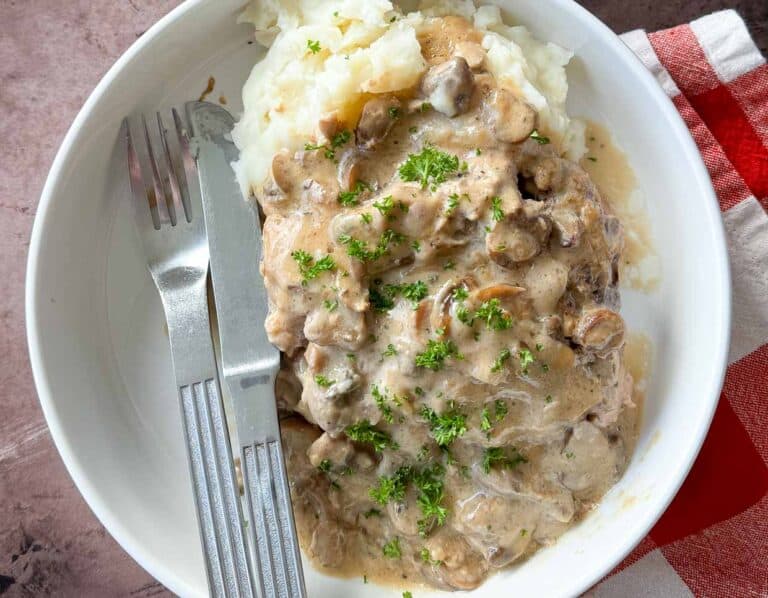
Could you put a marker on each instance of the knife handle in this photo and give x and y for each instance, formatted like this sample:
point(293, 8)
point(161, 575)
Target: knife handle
point(277, 553)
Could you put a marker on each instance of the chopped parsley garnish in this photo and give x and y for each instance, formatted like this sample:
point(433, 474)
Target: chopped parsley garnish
point(407, 594)
point(500, 409)
point(569, 455)
point(485, 420)
point(350, 198)
point(359, 249)
point(433, 358)
point(430, 485)
point(539, 138)
point(539, 347)
point(336, 141)
point(447, 427)
point(364, 433)
point(392, 549)
point(496, 212)
point(390, 351)
point(392, 488)
point(416, 246)
point(415, 291)
point(394, 112)
point(449, 265)
point(381, 399)
point(313, 46)
point(324, 382)
point(460, 293)
point(429, 167)
point(384, 205)
point(425, 106)
point(453, 203)
point(366, 218)
point(413, 129)
point(340, 138)
point(330, 305)
point(462, 313)
point(372, 513)
point(495, 456)
point(494, 317)
point(381, 301)
point(308, 268)
point(548, 399)
point(526, 359)
point(499, 362)
point(523, 532)
point(325, 466)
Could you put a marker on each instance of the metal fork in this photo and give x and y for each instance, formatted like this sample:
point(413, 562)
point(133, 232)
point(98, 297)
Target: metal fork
point(171, 225)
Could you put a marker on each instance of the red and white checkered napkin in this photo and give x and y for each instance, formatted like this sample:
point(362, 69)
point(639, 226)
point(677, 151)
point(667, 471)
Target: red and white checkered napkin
point(713, 539)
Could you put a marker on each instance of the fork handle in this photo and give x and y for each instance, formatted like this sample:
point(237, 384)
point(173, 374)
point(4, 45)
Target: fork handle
point(277, 553)
point(215, 487)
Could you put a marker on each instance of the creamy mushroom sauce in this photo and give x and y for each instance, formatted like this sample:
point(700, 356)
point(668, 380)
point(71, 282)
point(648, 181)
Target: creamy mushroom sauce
point(457, 386)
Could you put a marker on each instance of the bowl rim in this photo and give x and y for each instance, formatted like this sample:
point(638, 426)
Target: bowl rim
point(36, 337)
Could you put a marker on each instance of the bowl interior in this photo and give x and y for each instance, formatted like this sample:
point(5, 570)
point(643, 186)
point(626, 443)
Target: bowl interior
point(96, 328)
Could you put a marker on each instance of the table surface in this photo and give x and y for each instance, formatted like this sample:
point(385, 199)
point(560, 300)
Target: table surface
point(52, 54)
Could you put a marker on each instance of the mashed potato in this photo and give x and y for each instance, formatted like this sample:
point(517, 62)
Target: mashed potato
point(327, 57)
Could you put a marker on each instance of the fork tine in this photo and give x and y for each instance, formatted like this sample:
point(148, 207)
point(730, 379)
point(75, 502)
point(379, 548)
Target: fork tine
point(142, 197)
point(164, 207)
point(173, 180)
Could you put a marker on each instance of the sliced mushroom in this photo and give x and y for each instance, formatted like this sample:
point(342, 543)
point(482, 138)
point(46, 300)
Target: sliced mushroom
point(460, 568)
point(339, 451)
point(287, 175)
point(329, 124)
point(568, 225)
point(512, 119)
point(449, 86)
point(499, 291)
point(548, 173)
point(599, 330)
point(444, 300)
point(350, 165)
point(377, 118)
point(515, 241)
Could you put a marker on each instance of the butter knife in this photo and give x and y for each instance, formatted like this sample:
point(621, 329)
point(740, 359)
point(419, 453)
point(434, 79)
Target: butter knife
point(249, 361)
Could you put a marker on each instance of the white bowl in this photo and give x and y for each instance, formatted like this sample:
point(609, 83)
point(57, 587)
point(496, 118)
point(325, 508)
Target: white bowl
point(100, 356)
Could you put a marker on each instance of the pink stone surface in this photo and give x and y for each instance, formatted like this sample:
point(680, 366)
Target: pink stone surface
point(52, 54)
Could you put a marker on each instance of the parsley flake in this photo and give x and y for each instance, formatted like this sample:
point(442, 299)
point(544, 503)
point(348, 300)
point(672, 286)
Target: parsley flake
point(392, 549)
point(493, 315)
point(323, 381)
point(350, 198)
point(429, 167)
point(385, 205)
point(313, 46)
point(526, 359)
point(496, 212)
point(539, 138)
point(364, 433)
point(447, 427)
point(499, 362)
point(433, 358)
point(308, 268)
point(495, 456)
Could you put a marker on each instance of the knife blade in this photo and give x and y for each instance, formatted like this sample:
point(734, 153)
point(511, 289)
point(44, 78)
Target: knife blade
point(249, 361)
